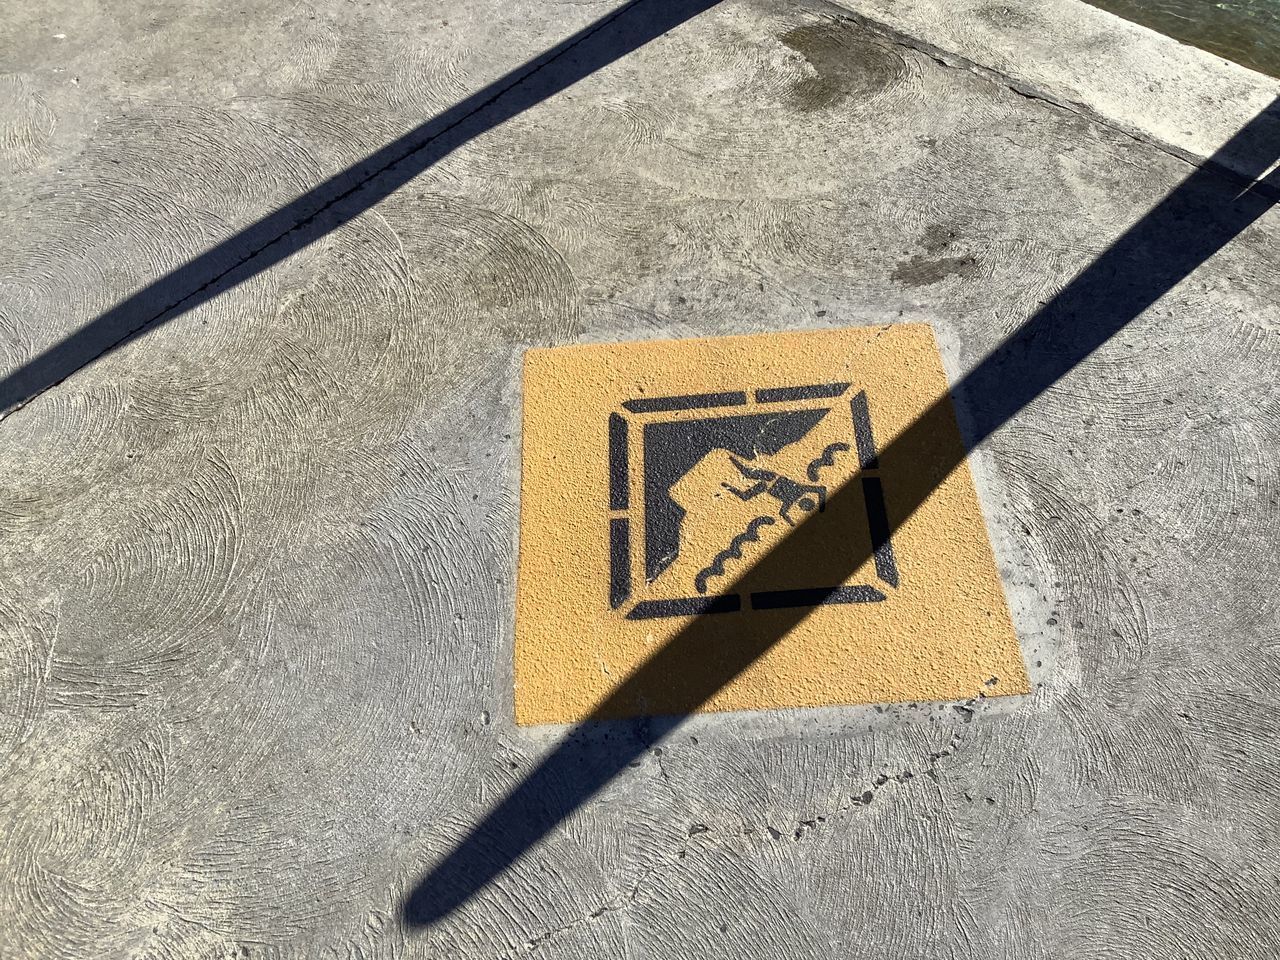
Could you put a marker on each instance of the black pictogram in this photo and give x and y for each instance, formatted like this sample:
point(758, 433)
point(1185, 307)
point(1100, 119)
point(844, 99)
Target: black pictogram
point(786, 491)
point(739, 439)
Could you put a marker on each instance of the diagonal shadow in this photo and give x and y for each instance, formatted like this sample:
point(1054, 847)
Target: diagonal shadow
point(1204, 213)
point(1193, 222)
point(347, 194)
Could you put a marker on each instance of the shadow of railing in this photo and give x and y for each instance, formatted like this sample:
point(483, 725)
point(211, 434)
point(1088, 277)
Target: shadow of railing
point(1200, 216)
point(347, 194)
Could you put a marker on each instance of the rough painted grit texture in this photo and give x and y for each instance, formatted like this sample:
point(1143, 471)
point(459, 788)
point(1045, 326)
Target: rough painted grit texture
point(657, 476)
point(258, 565)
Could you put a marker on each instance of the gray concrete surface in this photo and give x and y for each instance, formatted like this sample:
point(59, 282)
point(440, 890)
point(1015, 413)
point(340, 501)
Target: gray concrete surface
point(1085, 58)
point(257, 564)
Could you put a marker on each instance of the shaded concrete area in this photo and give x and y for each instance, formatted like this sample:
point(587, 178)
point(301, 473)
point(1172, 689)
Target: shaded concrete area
point(259, 561)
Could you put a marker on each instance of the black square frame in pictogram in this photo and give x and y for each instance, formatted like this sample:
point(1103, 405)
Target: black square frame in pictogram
point(766, 420)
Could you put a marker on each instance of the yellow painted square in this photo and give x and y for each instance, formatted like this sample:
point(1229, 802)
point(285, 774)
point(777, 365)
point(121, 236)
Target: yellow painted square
point(658, 474)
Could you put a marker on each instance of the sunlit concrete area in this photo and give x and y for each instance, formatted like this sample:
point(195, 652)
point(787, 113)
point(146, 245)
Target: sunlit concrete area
point(378, 581)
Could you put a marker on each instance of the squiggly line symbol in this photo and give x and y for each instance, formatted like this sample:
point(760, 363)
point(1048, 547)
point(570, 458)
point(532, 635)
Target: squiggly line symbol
point(731, 552)
point(826, 459)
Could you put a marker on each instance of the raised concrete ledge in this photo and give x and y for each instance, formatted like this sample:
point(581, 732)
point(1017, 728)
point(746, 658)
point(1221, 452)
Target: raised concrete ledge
point(1187, 100)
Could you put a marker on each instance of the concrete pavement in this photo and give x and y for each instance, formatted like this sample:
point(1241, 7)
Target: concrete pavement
point(258, 562)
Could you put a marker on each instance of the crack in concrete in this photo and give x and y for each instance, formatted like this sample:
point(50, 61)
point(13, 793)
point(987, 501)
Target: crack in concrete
point(968, 709)
point(955, 61)
point(882, 780)
point(620, 902)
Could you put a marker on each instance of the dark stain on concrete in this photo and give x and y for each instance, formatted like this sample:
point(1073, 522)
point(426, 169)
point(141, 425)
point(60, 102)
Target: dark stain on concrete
point(928, 267)
point(848, 62)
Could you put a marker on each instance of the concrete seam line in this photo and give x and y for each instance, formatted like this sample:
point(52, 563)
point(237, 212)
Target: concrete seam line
point(956, 61)
point(360, 184)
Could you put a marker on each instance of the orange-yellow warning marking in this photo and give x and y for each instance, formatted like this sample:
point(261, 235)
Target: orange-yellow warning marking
point(659, 477)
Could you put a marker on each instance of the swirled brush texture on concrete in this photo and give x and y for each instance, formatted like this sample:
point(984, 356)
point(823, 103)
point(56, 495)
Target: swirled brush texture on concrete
point(257, 565)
